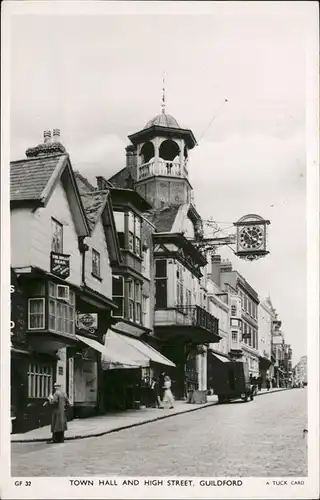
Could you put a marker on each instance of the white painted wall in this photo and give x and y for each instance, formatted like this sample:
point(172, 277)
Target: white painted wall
point(98, 242)
point(40, 230)
point(21, 237)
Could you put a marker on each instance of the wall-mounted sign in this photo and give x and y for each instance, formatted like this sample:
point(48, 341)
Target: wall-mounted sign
point(60, 265)
point(87, 322)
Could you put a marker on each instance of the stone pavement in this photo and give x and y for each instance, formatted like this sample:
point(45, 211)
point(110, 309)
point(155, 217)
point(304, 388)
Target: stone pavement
point(113, 422)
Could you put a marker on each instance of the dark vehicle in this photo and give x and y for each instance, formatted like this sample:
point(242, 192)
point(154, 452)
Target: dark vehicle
point(230, 379)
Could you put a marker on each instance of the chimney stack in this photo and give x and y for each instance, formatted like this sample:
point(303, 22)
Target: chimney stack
point(226, 266)
point(131, 161)
point(215, 269)
point(46, 136)
point(56, 135)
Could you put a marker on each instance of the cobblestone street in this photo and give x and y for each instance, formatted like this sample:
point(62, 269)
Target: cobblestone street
point(261, 438)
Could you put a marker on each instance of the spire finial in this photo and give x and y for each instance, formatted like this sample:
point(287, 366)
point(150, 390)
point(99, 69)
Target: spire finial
point(163, 101)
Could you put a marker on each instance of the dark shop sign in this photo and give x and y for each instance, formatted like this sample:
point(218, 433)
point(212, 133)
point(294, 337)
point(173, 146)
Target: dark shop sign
point(60, 265)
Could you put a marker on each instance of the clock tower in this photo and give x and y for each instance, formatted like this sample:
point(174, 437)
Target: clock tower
point(158, 161)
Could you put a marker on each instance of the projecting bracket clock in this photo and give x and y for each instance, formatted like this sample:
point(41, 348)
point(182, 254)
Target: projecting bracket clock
point(251, 237)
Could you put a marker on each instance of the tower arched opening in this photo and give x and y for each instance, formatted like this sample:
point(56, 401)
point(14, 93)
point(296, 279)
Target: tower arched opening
point(169, 150)
point(147, 152)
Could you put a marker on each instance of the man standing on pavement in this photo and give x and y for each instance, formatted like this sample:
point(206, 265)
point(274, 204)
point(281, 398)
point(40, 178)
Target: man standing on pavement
point(58, 402)
point(155, 394)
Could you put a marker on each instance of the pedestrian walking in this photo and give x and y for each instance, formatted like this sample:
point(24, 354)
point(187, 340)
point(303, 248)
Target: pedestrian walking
point(58, 402)
point(161, 385)
point(167, 395)
point(155, 394)
point(268, 383)
point(259, 383)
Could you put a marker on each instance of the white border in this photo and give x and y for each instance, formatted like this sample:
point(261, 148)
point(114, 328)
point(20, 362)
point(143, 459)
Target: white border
point(252, 487)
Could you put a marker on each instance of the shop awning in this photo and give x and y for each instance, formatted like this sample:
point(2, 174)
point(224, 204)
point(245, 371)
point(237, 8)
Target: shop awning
point(136, 350)
point(109, 355)
point(220, 358)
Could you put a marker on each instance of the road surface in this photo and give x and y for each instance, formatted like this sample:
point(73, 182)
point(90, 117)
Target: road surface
point(260, 438)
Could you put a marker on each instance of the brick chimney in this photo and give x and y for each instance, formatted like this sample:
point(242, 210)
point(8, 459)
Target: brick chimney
point(56, 135)
point(48, 147)
point(131, 161)
point(226, 266)
point(46, 136)
point(215, 269)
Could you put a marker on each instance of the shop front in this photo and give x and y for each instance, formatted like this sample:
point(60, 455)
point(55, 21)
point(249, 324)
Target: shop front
point(127, 381)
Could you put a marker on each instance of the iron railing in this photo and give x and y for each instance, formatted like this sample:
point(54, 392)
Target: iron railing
point(197, 316)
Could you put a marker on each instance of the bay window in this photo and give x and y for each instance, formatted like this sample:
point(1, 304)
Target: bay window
point(179, 285)
point(36, 314)
point(138, 302)
point(161, 280)
point(131, 300)
point(118, 295)
point(61, 312)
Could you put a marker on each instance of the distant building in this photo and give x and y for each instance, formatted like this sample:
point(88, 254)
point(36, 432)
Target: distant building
point(265, 321)
point(248, 348)
point(300, 372)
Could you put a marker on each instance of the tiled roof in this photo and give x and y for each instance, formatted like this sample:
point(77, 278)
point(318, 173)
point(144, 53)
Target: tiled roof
point(29, 177)
point(163, 219)
point(93, 200)
point(93, 203)
point(119, 179)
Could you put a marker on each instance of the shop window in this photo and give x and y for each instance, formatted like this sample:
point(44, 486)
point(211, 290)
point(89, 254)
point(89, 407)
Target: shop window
point(118, 295)
point(96, 263)
point(36, 314)
point(61, 312)
point(40, 380)
point(57, 236)
point(161, 283)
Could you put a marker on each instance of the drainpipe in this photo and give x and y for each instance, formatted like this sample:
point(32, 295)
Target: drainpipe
point(83, 248)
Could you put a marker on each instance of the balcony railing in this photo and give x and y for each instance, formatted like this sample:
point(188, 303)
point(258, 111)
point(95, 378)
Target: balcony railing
point(196, 316)
point(161, 167)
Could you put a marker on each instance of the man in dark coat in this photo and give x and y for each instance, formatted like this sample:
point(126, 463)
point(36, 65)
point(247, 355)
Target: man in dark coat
point(155, 393)
point(58, 402)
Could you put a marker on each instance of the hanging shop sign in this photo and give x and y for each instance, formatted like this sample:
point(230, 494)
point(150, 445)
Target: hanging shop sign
point(87, 322)
point(60, 265)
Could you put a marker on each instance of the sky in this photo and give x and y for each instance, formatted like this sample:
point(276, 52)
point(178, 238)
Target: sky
point(98, 78)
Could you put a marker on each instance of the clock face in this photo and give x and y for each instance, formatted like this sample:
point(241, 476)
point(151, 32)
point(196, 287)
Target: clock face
point(251, 237)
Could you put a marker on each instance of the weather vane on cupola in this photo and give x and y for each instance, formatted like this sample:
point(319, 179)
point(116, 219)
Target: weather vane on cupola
point(163, 100)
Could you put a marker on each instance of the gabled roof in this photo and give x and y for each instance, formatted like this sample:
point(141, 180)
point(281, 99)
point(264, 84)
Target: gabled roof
point(97, 204)
point(34, 180)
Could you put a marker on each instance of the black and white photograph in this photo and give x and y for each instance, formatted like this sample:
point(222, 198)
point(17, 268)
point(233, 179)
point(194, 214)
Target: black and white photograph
point(160, 250)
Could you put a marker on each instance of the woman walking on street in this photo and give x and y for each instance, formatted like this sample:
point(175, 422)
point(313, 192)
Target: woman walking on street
point(168, 396)
point(58, 402)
